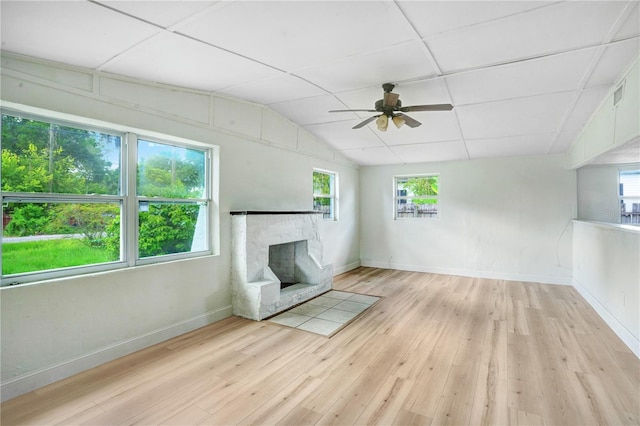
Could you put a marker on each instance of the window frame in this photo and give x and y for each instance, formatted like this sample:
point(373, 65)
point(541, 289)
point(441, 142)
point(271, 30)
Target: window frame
point(332, 196)
point(397, 197)
point(138, 199)
point(127, 197)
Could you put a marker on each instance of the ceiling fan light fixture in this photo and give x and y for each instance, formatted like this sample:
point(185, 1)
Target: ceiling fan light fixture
point(382, 122)
point(390, 107)
point(398, 121)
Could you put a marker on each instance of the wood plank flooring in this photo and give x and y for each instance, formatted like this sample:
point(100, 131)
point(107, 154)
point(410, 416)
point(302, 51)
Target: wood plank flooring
point(437, 349)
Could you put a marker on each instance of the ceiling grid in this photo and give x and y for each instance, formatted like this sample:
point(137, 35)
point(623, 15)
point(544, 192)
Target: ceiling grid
point(523, 76)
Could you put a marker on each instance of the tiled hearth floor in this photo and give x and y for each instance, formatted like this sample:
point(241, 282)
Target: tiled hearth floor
point(326, 314)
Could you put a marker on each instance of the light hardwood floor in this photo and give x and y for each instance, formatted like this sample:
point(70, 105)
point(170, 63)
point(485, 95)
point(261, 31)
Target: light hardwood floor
point(437, 349)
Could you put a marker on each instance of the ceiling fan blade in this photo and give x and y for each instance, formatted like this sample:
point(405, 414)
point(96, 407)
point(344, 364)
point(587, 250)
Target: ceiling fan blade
point(353, 110)
point(434, 107)
point(390, 99)
point(365, 122)
point(409, 121)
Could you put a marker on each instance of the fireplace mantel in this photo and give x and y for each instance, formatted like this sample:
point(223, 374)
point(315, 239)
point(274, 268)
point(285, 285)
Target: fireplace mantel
point(255, 289)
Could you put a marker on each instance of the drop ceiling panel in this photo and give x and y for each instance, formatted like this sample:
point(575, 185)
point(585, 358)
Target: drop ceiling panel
point(631, 26)
point(551, 74)
point(341, 135)
point(290, 35)
point(436, 126)
point(551, 29)
point(424, 92)
point(587, 103)
point(169, 14)
point(429, 152)
point(372, 156)
point(433, 17)
point(616, 57)
point(534, 115)
point(510, 146)
point(173, 59)
point(281, 88)
point(71, 32)
point(311, 110)
point(397, 63)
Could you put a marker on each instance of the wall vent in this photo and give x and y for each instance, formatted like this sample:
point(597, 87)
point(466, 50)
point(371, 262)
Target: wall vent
point(617, 95)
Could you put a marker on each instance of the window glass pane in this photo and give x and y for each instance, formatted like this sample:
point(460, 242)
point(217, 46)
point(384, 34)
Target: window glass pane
point(324, 194)
point(168, 228)
point(417, 186)
point(44, 157)
point(417, 207)
point(324, 205)
point(170, 171)
point(322, 183)
point(417, 197)
point(43, 236)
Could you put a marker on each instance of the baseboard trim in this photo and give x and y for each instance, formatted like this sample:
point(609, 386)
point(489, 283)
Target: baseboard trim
point(37, 379)
point(346, 268)
point(543, 279)
point(621, 331)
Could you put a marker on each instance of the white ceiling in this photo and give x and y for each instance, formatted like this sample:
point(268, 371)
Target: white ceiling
point(523, 76)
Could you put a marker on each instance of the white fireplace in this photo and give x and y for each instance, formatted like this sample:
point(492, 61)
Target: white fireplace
point(276, 262)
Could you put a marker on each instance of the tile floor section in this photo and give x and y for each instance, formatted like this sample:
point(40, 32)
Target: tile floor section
point(326, 314)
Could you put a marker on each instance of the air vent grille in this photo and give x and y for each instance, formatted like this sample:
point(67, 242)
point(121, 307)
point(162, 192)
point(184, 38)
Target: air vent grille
point(617, 95)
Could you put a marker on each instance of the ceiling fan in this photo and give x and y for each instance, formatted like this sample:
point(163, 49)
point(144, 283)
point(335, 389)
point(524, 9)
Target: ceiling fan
point(390, 106)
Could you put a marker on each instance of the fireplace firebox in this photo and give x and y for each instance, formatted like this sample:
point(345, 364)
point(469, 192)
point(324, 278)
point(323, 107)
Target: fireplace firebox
point(283, 261)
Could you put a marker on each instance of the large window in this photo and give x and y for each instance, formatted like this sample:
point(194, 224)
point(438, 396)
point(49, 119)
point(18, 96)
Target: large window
point(77, 199)
point(324, 194)
point(416, 196)
point(629, 193)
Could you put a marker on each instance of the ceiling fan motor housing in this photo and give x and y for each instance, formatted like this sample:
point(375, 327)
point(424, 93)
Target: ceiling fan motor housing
point(387, 110)
point(388, 87)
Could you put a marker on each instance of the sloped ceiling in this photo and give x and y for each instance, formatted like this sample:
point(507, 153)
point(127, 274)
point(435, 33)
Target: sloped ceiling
point(523, 76)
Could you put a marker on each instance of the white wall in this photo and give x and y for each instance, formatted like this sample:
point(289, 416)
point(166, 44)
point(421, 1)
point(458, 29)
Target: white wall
point(54, 329)
point(502, 218)
point(607, 274)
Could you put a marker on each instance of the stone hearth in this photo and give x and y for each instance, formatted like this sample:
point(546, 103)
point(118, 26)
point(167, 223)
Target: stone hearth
point(293, 236)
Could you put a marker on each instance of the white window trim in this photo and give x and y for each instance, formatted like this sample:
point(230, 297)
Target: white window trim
point(129, 216)
point(396, 197)
point(334, 195)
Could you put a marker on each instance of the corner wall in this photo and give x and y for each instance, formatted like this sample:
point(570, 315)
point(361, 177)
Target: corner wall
point(51, 330)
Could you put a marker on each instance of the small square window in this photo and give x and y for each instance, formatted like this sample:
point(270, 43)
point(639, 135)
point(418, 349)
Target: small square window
point(416, 196)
